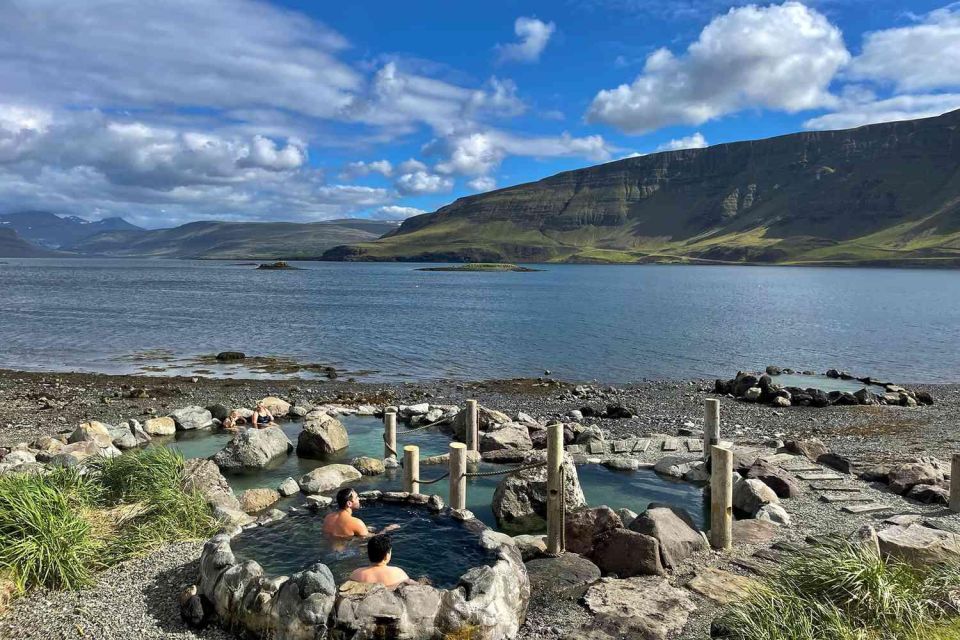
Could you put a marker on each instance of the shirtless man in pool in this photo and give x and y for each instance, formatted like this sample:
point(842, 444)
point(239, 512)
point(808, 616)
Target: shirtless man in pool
point(380, 552)
point(342, 523)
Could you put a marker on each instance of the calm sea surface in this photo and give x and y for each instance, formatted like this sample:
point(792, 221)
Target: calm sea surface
point(391, 322)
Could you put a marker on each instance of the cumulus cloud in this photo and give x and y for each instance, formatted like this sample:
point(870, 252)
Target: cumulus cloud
point(421, 182)
point(482, 183)
point(696, 141)
point(778, 57)
point(533, 35)
point(854, 113)
point(360, 168)
point(479, 153)
point(410, 166)
point(396, 212)
point(919, 57)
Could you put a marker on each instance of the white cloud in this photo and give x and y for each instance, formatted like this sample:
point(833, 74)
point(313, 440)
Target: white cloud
point(696, 141)
point(420, 182)
point(534, 35)
point(360, 168)
point(855, 113)
point(777, 57)
point(919, 57)
point(410, 166)
point(395, 212)
point(482, 183)
point(481, 152)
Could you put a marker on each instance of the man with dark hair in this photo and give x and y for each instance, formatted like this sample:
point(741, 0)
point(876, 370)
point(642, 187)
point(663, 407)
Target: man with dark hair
point(342, 523)
point(380, 552)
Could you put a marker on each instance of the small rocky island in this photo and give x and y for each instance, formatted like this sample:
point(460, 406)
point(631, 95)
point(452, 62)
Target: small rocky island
point(278, 265)
point(482, 266)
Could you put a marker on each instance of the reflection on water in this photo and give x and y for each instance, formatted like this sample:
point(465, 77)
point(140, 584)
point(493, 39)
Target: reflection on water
point(426, 545)
point(631, 489)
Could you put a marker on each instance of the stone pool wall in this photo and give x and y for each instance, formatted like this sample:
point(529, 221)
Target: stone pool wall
point(489, 602)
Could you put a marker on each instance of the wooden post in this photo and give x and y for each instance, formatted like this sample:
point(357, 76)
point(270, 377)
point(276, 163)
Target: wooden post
point(390, 434)
point(473, 426)
point(955, 483)
point(711, 424)
point(411, 468)
point(555, 493)
point(458, 482)
point(721, 497)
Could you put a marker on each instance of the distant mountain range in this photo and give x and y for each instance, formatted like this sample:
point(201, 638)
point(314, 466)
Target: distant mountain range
point(43, 234)
point(884, 194)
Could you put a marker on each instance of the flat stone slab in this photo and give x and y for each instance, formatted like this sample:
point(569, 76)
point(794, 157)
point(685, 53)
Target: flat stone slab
point(866, 508)
point(646, 607)
point(919, 545)
point(574, 448)
point(567, 576)
point(832, 487)
point(770, 555)
point(753, 566)
point(622, 446)
point(793, 468)
point(904, 519)
point(641, 445)
point(598, 447)
point(721, 586)
point(694, 445)
point(819, 476)
point(670, 444)
point(754, 531)
point(845, 497)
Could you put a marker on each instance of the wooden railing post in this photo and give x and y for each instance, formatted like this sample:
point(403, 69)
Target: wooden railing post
point(411, 468)
point(711, 424)
point(721, 497)
point(555, 492)
point(390, 434)
point(473, 426)
point(458, 481)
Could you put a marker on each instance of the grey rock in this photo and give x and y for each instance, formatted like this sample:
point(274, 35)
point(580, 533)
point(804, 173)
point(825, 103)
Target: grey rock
point(520, 500)
point(749, 495)
point(191, 418)
point(204, 476)
point(643, 608)
point(322, 435)
point(253, 449)
point(677, 540)
point(582, 527)
point(919, 545)
point(327, 478)
point(626, 553)
point(773, 513)
point(288, 487)
point(566, 576)
point(511, 436)
point(904, 477)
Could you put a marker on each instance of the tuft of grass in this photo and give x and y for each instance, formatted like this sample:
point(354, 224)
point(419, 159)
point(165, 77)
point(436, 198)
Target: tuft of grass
point(44, 537)
point(57, 529)
point(846, 592)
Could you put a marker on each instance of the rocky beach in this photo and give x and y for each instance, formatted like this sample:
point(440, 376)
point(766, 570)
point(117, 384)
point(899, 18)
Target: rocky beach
point(866, 438)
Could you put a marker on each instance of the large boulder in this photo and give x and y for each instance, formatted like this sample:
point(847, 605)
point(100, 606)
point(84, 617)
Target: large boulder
point(646, 608)
point(677, 540)
point(812, 448)
point(368, 466)
point(191, 418)
point(487, 419)
point(675, 466)
point(904, 477)
point(92, 431)
point(919, 545)
point(204, 476)
point(277, 407)
point(566, 576)
point(512, 436)
point(626, 553)
point(164, 426)
point(254, 449)
point(256, 500)
point(583, 526)
point(751, 494)
point(322, 435)
point(328, 478)
point(520, 500)
point(783, 483)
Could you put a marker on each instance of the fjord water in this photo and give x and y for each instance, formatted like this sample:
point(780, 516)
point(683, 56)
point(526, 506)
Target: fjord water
point(388, 321)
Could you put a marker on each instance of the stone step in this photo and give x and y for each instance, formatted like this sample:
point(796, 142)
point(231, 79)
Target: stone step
point(845, 497)
point(695, 445)
point(754, 566)
point(574, 448)
point(598, 447)
point(670, 444)
point(770, 555)
point(825, 540)
point(622, 446)
point(866, 507)
point(641, 445)
point(819, 476)
point(794, 468)
point(949, 527)
point(829, 487)
point(787, 547)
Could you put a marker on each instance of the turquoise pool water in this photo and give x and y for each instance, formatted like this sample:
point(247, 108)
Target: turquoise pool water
point(631, 489)
point(426, 545)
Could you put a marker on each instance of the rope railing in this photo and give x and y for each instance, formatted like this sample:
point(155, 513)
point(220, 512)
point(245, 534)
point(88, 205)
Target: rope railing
point(426, 426)
point(435, 480)
point(386, 443)
point(499, 472)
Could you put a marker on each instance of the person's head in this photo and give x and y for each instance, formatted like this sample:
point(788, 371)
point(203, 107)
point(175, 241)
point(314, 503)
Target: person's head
point(347, 497)
point(380, 549)
point(261, 406)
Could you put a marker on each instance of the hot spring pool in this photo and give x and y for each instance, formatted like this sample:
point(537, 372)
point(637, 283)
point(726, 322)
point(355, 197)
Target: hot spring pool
point(616, 489)
point(426, 545)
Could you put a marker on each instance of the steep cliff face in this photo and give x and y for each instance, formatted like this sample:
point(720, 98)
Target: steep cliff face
point(886, 192)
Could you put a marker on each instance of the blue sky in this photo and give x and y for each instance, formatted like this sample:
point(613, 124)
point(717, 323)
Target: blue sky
point(214, 109)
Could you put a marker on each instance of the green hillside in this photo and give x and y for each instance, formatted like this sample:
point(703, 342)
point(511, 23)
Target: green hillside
point(880, 194)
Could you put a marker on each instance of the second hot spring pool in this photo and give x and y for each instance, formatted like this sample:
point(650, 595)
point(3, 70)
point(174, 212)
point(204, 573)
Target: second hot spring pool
point(426, 545)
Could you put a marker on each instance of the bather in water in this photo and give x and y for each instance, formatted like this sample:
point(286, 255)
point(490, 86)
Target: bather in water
point(380, 552)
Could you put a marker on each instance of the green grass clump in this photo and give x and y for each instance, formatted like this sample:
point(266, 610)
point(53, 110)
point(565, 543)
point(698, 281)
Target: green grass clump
point(57, 529)
point(847, 592)
point(45, 538)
